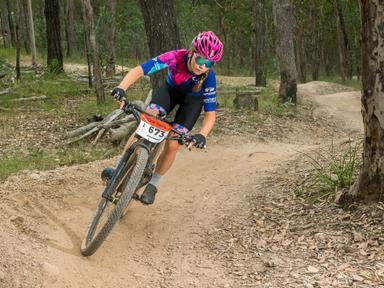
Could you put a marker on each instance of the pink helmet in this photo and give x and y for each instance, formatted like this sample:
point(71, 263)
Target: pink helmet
point(208, 45)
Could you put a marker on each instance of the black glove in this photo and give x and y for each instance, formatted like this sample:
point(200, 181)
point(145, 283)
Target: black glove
point(119, 94)
point(199, 141)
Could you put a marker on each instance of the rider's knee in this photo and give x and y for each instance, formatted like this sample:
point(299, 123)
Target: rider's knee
point(156, 110)
point(172, 145)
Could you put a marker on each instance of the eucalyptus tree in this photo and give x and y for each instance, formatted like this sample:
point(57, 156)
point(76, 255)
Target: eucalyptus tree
point(162, 32)
point(89, 23)
point(111, 28)
point(342, 40)
point(282, 10)
point(259, 27)
point(370, 183)
point(31, 31)
point(69, 26)
point(17, 33)
point(52, 17)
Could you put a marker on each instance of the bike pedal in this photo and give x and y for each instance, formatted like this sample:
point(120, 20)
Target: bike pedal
point(115, 200)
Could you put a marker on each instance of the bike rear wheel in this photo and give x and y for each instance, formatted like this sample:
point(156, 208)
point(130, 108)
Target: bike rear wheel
point(124, 183)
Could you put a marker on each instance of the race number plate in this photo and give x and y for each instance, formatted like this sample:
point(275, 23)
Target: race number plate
point(152, 129)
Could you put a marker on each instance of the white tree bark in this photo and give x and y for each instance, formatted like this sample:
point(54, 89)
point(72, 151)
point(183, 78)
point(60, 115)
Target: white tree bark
point(31, 32)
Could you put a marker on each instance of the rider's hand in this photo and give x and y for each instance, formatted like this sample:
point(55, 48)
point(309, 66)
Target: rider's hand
point(119, 94)
point(199, 141)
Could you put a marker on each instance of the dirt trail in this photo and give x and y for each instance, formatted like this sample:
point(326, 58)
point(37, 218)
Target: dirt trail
point(165, 245)
point(344, 106)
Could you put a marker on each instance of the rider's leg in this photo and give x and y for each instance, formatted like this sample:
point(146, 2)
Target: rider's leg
point(185, 119)
point(107, 172)
point(167, 157)
point(161, 101)
point(165, 162)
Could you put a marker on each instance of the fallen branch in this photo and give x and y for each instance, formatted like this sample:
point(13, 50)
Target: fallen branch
point(6, 91)
point(81, 130)
point(111, 120)
point(102, 130)
point(83, 136)
point(4, 109)
point(119, 122)
point(34, 98)
point(124, 130)
point(95, 128)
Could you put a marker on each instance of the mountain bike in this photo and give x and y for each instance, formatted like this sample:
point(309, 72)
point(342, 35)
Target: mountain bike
point(133, 171)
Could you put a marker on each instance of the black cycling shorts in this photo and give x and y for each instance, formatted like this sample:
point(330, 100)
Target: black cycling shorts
point(189, 106)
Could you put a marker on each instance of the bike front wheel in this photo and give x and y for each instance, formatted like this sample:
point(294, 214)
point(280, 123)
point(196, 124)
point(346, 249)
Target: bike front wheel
point(125, 183)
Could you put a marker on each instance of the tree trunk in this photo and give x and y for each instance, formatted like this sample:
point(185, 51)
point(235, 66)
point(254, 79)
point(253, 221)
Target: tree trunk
point(10, 23)
point(88, 56)
point(17, 30)
point(69, 26)
point(342, 40)
point(222, 33)
point(90, 25)
point(31, 32)
point(55, 55)
point(315, 39)
point(300, 55)
point(370, 183)
point(27, 41)
point(110, 69)
point(162, 32)
point(283, 16)
point(260, 42)
point(5, 25)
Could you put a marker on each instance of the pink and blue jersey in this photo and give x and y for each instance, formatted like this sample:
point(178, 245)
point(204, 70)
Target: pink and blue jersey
point(181, 79)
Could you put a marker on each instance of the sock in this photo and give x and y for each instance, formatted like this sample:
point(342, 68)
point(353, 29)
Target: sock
point(155, 180)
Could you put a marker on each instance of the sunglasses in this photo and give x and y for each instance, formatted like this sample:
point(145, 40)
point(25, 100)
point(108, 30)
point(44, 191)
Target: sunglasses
point(200, 60)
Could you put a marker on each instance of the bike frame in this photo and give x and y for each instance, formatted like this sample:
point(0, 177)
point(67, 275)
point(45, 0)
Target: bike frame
point(152, 148)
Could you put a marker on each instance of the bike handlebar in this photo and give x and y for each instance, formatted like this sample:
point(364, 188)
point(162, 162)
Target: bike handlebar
point(130, 108)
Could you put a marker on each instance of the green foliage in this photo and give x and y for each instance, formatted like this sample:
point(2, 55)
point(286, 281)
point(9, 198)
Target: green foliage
point(332, 170)
point(55, 67)
point(230, 19)
point(38, 159)
point(353, 83)
point(57, 89)
point(269, 102)
point(89, 107)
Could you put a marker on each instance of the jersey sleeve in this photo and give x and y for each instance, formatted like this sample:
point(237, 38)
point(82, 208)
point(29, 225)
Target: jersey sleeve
point(160, 62)
point(209, 92)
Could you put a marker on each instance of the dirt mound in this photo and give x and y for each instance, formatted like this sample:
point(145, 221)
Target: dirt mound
point(341, 103)
point(323, 88)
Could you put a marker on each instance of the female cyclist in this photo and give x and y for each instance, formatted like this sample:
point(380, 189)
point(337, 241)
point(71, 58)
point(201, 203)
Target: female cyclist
point(191, 83)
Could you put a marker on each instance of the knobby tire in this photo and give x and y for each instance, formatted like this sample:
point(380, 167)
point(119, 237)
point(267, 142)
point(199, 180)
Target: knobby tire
point(89, 246)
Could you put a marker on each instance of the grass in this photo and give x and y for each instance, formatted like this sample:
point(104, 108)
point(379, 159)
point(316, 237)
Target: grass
point(332, 170)
point(41, 159)
point(353, 83)
point(270, 104)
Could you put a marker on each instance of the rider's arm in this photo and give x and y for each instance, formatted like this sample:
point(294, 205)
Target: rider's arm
point(208, 122)
point(131, 77)
point(147, 68)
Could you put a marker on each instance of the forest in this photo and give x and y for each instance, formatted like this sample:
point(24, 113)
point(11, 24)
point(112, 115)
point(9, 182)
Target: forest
point(287, 190)
point(325, 33)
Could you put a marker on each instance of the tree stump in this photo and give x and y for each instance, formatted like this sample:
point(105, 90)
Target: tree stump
point(247, 100)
